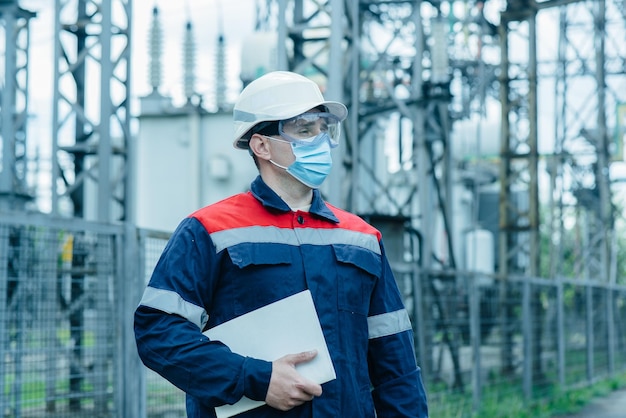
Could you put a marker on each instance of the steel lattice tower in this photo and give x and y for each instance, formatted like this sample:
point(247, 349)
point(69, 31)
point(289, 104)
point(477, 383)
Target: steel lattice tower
point(385, 39)
point(382, 59)
point(91, 132)
point(14, 25)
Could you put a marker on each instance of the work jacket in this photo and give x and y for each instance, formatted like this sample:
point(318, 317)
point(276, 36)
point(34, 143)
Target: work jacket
point(250, 250)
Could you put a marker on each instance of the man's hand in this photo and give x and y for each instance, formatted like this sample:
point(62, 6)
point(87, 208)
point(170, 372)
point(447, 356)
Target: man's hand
point(287, 387)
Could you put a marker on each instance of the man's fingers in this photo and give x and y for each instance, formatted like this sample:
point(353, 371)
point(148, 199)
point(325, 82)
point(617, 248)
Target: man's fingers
point(287, 387)
point(310, 388)
point(301, 357)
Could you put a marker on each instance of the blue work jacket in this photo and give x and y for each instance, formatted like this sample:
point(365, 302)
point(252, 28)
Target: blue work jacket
point(250, 250)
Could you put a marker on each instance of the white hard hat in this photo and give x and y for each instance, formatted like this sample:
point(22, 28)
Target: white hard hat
point(275, 96)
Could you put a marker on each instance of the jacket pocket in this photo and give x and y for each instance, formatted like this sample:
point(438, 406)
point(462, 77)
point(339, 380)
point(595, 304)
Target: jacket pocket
point(256, 255)
point(358, 270)
point(259, 275)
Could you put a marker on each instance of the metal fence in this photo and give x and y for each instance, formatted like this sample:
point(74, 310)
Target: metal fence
point(59, 318)
point(68, 289)
point(520, 339)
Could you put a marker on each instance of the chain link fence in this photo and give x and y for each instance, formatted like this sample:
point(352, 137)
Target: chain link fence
point(58, 319)
point(68, 289)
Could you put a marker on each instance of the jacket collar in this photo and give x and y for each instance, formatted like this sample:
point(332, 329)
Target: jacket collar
point(268, 198)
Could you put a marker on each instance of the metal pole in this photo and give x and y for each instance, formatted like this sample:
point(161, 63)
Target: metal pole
point(105, 191)
point(527, 320)
point(560, 331)
point(589, 329)
point(474, 318)
point(4, 341)
point(335, 91)
point(353, 118)
point(131, 378)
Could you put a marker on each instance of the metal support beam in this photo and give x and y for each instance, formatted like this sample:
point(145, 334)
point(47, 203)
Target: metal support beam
point(14, 170)
point(519, 206)
point(91, 109)
point(589, 89)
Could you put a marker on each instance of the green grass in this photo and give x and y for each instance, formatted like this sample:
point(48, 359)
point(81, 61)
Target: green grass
point(574, 400)
point(506, 401)
point(33, 393)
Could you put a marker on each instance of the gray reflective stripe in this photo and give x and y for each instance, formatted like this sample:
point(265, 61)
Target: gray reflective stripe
point(171, 302)
point(256, 234)
point(243, 116)
point(297, 236)
point(388, 323)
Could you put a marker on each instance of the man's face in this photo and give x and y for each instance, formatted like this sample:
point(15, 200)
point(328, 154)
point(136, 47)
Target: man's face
point(302, 127)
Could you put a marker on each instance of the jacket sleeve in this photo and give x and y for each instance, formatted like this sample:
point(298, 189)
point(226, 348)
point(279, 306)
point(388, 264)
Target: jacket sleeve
point(171, 316)
point(398, 390)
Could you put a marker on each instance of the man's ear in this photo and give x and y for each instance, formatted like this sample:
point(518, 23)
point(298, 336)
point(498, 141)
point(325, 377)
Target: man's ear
point(259, 146)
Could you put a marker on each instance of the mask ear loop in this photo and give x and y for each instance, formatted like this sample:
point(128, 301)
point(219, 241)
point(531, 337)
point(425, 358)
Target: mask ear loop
point(279, 140)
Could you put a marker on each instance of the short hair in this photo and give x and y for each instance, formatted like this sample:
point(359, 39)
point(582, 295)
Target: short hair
point(267, 128)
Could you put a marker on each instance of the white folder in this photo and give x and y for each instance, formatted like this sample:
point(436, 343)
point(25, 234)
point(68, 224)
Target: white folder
point(288, 326)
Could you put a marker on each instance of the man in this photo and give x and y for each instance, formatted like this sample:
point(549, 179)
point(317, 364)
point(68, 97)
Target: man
point(276, 240)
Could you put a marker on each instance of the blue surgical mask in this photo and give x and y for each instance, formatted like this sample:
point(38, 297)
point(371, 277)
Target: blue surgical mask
point(312, 164)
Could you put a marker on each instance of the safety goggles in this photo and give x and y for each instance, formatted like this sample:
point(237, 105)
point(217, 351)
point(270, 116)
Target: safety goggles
point(309, 128)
